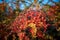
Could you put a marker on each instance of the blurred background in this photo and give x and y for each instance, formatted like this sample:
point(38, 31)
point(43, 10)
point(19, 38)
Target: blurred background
point(10, 9)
